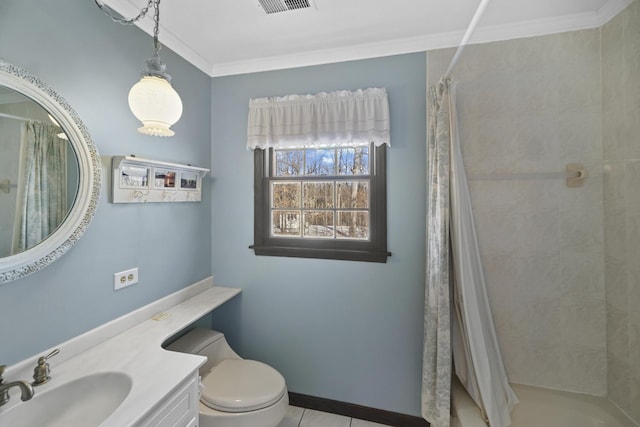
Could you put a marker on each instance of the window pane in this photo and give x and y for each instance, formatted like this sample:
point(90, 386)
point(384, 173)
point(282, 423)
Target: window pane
point(352, 225)
point(289, 162)
point(320, 162)
point(341, 215)
point(285, 223)
point(318, 224)
point(353, 195)
point(285, 195)
point(353, 161)
point(318, 195)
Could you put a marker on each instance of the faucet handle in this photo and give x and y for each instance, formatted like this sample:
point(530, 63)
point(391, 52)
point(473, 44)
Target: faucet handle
point(50, 355)
point(41, 371)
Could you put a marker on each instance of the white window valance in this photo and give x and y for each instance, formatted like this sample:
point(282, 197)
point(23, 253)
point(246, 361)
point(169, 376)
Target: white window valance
point(319, 120)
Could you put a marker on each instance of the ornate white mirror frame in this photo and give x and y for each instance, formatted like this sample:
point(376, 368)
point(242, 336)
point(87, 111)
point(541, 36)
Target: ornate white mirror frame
point(81, 213)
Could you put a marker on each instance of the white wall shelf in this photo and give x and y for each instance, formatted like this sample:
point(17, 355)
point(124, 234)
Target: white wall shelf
point(138, 180)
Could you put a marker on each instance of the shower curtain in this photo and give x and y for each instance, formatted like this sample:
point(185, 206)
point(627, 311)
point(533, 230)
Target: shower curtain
point(43, 184)
point(458, 322)
point(436, 359)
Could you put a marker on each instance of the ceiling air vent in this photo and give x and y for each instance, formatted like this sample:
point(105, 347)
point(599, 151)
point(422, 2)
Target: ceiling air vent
point(274, 6)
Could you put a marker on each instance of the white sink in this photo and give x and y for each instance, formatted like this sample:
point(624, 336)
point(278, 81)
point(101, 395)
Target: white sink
point(86, 402)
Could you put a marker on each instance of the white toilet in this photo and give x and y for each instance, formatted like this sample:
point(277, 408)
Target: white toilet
point(235, 392)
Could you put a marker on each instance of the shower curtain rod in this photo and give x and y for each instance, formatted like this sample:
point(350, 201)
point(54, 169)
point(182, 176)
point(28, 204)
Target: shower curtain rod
point(20, 118)
point(467, 35)
point(23, 119)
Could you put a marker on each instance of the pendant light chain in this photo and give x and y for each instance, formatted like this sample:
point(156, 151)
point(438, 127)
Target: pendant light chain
point(154, 65)
point(156, 27)
point(124, 21)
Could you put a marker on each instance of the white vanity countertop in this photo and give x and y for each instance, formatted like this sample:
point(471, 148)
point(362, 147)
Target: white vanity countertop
point(136, 351)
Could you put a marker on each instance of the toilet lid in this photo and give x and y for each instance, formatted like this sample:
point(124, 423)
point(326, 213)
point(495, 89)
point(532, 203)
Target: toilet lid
point(238, 385)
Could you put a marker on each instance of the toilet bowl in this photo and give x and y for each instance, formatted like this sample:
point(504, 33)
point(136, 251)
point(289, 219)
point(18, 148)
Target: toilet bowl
point(235, 392)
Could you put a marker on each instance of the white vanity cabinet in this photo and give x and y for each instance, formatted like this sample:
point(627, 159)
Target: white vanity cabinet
point(180, 408)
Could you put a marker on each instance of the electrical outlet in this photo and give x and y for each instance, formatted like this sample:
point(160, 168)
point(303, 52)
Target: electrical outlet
point(125, 278)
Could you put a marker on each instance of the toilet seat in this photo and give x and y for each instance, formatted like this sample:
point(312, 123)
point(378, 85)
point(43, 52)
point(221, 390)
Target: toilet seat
point(238, 385)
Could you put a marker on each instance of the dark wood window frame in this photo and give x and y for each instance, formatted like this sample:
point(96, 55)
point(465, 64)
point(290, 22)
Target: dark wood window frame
point(372, 250)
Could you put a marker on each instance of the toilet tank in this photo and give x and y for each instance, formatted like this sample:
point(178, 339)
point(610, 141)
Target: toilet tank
point(204, 342)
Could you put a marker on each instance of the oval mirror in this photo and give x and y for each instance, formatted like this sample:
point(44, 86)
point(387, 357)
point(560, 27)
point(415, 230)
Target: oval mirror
point(49, 174)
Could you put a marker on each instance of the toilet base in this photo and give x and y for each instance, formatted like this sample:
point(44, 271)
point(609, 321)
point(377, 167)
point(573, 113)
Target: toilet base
point(270, 416)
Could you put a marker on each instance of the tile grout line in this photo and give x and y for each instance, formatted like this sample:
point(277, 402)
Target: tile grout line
point(301, 417)
point(304, 411)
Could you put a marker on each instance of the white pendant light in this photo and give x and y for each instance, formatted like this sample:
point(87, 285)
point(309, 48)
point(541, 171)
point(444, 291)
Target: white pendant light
point(153, 100)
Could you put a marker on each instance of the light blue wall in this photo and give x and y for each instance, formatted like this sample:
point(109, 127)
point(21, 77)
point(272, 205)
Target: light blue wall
point(341, 330)
point(92, 62)
point(349, 331)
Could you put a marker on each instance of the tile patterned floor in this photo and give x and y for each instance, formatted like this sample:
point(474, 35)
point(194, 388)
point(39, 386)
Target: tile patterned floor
point(300, 417)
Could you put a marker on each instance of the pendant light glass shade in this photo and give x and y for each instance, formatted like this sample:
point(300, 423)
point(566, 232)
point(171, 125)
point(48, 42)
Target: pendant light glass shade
point(156, 104)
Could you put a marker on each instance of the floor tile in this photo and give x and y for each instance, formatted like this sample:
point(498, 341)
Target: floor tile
point(293, 417)
point(300, 417)
point(361, 423)
point(312, 418)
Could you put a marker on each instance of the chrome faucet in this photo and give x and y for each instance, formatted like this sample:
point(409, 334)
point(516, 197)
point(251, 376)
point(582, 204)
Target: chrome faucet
point(25, 387)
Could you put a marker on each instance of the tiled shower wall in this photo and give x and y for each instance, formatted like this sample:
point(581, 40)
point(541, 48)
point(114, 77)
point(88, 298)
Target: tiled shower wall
point(621, 142)
point(527, 108)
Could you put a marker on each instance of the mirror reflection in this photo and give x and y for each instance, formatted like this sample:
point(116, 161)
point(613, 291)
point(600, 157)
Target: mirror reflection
point(39, 173)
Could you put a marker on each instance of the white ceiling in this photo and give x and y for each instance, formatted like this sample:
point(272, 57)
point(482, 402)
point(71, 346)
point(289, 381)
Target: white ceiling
point(223, 37)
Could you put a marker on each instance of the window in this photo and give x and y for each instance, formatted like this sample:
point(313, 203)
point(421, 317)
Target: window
point(320, 174)
point(321, 203)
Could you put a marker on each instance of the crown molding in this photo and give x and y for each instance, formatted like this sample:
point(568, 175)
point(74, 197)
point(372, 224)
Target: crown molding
point(611, 9)
point(341, 54)
point(425, 43)
point(379, 49)
point(167, 38)
point(560, 24)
